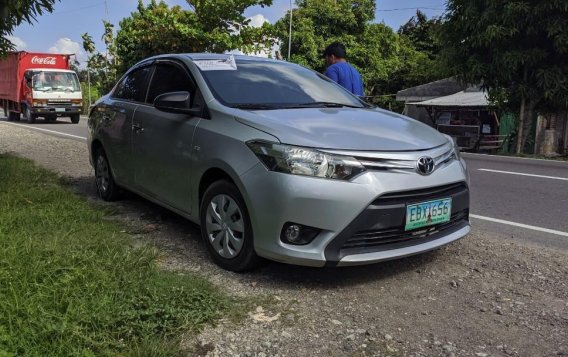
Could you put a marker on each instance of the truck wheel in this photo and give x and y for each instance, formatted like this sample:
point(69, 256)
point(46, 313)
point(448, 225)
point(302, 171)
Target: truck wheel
point(28, 115)
point(106, 187)
point(75, 118)
point(13, 116)
point(226, 228)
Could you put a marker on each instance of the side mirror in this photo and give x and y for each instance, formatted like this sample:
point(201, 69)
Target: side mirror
point(175, 102)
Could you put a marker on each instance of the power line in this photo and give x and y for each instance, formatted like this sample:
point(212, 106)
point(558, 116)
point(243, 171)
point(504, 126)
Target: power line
point(78, 9)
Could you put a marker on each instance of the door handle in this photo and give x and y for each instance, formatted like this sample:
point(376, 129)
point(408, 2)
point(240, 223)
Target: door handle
point(137, 128)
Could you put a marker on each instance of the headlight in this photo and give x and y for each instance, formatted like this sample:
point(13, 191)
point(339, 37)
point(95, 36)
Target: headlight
point(456, 148)
point(297, 160)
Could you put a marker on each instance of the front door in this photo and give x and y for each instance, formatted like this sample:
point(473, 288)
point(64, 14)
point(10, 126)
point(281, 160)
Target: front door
point(116, 115)
point(162, 142)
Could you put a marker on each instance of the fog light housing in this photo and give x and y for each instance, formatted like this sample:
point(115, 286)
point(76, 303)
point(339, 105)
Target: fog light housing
point(298, 234)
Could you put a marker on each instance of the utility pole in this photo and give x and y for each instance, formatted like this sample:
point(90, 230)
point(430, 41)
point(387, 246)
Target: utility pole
point(89, 83)
point(290, 34)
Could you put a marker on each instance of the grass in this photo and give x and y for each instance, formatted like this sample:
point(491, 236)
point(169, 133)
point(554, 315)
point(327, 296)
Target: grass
point(72, 284)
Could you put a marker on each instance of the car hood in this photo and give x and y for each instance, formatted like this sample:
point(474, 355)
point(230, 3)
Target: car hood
point(344, 129)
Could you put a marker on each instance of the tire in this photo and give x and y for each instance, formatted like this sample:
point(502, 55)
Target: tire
point(228, 238)
point(107, 188)
point(75, 118)
point(13, 116)
point(28, 115)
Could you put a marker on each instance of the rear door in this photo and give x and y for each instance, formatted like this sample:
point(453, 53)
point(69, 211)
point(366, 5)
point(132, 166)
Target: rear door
point(116, 117)
point(162, 142)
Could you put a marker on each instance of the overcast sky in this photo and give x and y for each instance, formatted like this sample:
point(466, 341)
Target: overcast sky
point(60, 31)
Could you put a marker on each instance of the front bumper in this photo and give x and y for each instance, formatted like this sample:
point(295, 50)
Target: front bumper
point(60, 111)
point(343, 210)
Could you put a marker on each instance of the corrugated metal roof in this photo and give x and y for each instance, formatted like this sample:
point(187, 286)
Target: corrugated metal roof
point(460, 99)
point(431, 90)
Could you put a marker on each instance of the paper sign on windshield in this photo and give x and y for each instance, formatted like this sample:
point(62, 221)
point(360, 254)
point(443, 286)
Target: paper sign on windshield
point(228, 64)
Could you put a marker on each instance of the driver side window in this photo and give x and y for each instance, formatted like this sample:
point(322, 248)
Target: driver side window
point(169, 78)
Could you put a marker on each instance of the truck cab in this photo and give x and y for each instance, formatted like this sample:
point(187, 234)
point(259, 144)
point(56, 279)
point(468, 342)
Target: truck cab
point(51, 93)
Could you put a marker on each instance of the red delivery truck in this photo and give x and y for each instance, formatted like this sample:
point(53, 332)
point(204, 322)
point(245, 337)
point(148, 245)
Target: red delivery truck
point(39, 85)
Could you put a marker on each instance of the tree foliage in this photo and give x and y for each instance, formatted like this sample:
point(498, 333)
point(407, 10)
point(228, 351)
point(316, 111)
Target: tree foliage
point(423, 33)
point(213, 26)
point(15, 12)
point(386, 60)
point(518, 49)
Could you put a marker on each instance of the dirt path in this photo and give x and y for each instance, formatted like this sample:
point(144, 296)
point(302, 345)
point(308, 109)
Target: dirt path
point(482, 296)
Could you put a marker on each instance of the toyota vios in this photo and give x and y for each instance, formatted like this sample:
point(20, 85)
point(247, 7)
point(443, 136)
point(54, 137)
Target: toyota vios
point(273, 160)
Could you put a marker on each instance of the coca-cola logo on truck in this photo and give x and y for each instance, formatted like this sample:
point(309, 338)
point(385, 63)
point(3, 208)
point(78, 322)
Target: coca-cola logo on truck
point(43, 60)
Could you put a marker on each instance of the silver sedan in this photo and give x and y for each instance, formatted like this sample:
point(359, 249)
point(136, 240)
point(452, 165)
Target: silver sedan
point(274, 160)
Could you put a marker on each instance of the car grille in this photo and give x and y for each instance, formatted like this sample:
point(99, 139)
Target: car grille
point(385, 163)
point(59, 101)
point(398, 236)
point(420, 195)
point(382, 225)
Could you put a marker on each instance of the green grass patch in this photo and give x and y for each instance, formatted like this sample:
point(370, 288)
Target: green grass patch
point(72, 284)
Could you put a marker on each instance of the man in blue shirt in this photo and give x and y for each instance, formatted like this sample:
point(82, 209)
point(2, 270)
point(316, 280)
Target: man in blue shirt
point(340, 71)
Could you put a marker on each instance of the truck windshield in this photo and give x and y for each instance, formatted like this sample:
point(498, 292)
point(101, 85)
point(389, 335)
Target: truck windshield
point(55, 81)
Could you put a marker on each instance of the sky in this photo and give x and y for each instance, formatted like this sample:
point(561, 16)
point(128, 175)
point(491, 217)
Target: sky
point(61, 30)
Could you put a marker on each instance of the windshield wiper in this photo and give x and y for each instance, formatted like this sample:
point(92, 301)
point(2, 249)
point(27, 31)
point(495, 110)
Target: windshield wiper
point(323, 104)
point(256, 106)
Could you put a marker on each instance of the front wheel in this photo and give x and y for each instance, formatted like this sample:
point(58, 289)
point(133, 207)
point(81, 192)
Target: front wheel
point(75, 118)
point(28, 115)
point(226, 228)
point(106, 187)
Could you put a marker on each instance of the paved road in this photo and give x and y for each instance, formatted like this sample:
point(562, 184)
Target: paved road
point(62, 127)
point(528, 197)
point(502, 189)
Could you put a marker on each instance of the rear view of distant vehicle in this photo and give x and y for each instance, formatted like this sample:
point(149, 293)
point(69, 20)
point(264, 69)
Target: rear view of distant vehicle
point(39, 85)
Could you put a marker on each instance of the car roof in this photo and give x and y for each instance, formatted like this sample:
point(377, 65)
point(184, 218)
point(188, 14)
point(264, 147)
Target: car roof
point(210, 56)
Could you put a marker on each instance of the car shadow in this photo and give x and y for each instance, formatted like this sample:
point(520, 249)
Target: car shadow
point(186, 236)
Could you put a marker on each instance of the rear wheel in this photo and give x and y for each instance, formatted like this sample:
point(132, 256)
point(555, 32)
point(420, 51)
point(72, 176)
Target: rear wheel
point(13, 116)
point(226, 228)
point(75, 118)
point(106, 187)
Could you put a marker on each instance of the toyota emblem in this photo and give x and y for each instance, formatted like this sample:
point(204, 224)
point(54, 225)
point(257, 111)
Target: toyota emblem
point(425, 165)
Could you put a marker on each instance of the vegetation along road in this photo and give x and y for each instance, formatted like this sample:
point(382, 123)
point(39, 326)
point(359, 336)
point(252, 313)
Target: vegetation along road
point(486, 295)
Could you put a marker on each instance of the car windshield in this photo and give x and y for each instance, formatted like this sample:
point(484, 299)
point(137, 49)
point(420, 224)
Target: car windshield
point(55, 81)
point(260, 84)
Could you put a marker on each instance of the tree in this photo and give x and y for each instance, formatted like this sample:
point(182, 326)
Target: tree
point(517, 49)
point(213, 26)
point(422, 33)
point(387, 61)
point(15, 12)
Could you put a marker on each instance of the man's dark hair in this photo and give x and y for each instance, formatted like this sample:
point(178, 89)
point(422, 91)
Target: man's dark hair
point(337, 49)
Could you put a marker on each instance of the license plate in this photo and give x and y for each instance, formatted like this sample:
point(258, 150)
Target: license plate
point(59, 109)
point(428, 213)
